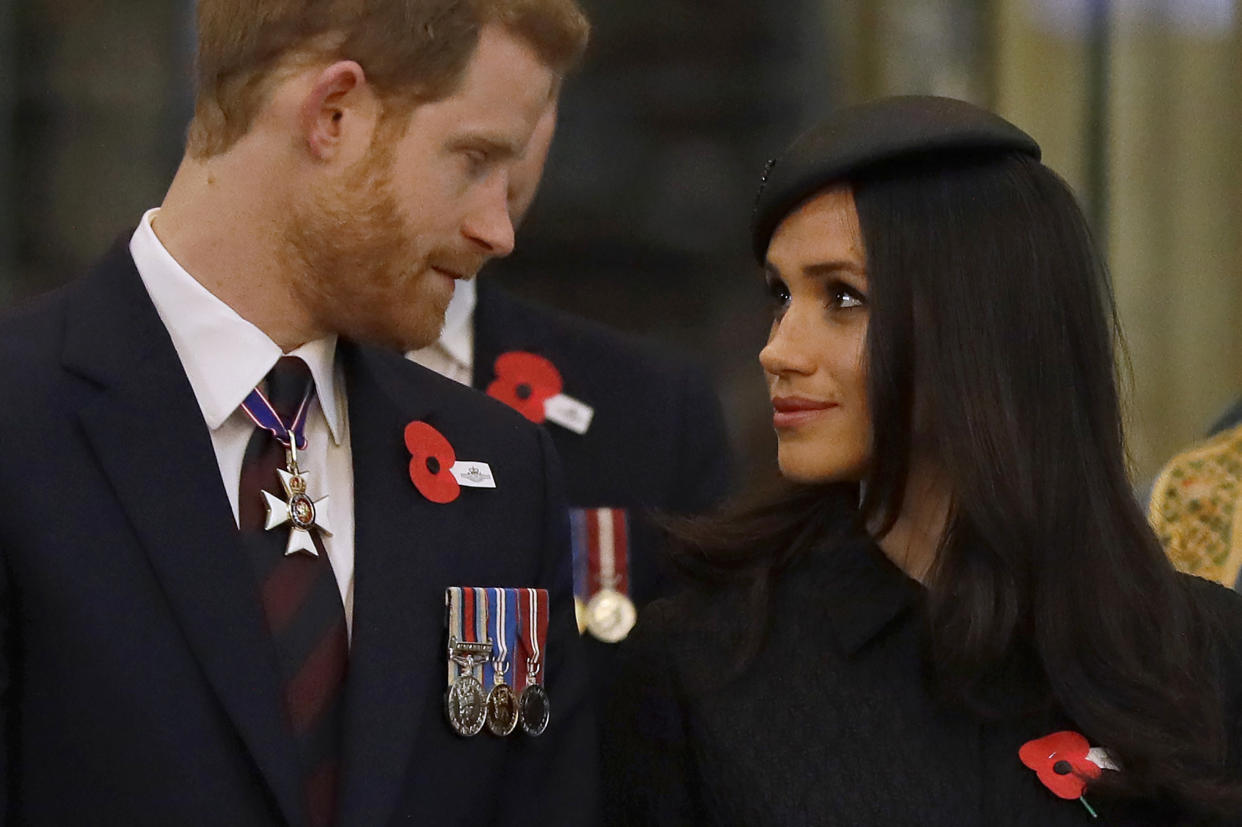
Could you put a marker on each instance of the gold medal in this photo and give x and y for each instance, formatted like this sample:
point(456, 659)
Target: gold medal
point(502, 703)
point(502, 710)
point(580, 615)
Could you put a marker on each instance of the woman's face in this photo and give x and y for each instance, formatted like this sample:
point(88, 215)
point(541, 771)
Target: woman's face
point(816, 275)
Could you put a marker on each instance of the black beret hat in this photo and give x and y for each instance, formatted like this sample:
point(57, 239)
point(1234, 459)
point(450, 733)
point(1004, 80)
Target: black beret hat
point(877, 132)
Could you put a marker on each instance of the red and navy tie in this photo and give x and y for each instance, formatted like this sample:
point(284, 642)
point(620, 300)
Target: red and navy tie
point(301, 602)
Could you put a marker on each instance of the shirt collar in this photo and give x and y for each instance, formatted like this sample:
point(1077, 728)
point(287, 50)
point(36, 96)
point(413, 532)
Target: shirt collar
point(224, 355)
point(457, 336)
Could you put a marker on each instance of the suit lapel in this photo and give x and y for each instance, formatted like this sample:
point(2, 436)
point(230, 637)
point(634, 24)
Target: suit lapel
point(147, 431)
point(487, 345)
point(497, 331)
point(402, 545)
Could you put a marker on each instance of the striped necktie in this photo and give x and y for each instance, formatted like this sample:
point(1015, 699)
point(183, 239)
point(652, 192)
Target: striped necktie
point(301, 603)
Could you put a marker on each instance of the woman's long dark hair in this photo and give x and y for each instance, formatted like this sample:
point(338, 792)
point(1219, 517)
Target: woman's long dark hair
point(991, 349)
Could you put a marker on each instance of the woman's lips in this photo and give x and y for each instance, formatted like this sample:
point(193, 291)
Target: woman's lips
point(792, 411)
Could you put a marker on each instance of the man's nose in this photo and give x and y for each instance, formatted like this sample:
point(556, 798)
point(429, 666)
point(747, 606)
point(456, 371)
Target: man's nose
point(489, 224)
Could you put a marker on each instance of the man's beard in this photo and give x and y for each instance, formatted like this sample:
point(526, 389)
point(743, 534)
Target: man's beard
point(358, 266)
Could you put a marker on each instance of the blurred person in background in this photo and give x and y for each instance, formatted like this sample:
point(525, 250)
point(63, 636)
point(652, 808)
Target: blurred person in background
point(955, 613)
point(171, 653)
point(649, 434)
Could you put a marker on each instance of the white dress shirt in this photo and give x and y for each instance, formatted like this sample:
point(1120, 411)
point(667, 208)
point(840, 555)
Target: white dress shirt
point(452, 355)
point(225, 357)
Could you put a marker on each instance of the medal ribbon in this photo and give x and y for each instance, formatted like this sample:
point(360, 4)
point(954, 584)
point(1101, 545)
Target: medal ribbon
point(261, 413)
point(482, 672)
point(474, 621)
point(578, 535)
point(608, 535)
point(453, 595)
point(502, 614)
point(533, 636)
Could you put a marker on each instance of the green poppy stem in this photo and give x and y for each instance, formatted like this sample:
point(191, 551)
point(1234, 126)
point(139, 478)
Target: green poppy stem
point(1083, 799)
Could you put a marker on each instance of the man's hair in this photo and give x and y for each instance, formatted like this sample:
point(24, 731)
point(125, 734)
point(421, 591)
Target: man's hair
point(411, 50)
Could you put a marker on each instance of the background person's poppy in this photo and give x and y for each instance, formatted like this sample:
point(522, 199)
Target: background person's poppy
point(525, 382)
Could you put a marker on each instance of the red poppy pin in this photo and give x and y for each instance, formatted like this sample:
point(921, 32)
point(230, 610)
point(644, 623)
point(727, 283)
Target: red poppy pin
point(431, 461)
point(1065, 763)
point(525, 382)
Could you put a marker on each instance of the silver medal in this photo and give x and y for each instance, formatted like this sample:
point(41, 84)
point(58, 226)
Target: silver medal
point(535, 709)
point(297, 509)
point(610, 616)
point(465, 703)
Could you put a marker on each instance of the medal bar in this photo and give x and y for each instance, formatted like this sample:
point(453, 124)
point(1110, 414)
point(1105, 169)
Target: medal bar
point(533, 702)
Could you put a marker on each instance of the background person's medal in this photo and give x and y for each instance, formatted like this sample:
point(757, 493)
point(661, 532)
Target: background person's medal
point(601, 572)
point(534, 705)
point(465, 703)
point(610, 616)
point(502, 703)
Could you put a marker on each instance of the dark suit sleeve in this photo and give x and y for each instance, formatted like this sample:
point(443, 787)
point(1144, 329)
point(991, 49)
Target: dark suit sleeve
point(705, 464)
point(6, 650)
point(562, 784)
point(647, 766)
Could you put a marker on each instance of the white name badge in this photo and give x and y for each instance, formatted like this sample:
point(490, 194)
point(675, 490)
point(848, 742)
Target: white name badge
point(473, 474)
point(569, 413)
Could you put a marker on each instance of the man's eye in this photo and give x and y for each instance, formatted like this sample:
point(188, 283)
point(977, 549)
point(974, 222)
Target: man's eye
point(476, 160)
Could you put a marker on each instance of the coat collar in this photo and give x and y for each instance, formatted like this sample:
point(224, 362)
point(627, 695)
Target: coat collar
point(500, 328)
point(860, 591)
point(148, 433)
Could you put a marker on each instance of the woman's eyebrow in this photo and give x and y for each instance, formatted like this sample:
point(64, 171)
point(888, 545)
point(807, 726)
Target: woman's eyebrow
point(832, 267)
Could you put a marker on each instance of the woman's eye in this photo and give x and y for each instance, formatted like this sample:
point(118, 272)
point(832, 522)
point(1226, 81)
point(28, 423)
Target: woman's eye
point(778, 293)
point(844, 297)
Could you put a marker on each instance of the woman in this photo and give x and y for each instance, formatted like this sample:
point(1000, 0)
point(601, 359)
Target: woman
point(958, 571)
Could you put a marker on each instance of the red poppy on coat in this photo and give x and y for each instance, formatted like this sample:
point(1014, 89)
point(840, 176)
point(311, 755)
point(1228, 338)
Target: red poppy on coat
point(524, 382)
point(1060, 760)
point(431, 457)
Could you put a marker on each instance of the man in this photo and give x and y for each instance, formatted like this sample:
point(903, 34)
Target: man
point(653, 440)
point(174, 653)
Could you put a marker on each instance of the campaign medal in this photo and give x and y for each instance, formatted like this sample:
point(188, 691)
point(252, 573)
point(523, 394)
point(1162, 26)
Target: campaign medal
point(465, 703)
point(502, 703)
point(534, 706)
point(601, 563)
point(297, 510)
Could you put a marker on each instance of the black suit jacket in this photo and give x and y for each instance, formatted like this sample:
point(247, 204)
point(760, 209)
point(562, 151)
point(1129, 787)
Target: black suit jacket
point(138, 682)
point(657, 441)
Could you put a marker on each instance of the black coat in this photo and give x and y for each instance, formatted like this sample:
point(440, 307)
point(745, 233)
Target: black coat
point(138, 681)
point(833, 722)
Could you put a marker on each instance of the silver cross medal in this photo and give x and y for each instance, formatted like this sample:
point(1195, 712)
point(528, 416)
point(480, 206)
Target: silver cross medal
point(298, 508)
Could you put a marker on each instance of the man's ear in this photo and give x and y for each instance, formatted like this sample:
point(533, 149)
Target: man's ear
point(339, 112)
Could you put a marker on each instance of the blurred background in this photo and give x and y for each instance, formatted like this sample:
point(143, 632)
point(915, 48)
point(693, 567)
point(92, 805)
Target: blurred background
point(642, 220)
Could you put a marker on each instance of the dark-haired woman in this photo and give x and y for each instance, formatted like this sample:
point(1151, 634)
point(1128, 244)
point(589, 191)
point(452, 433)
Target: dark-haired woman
point(955, 614)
